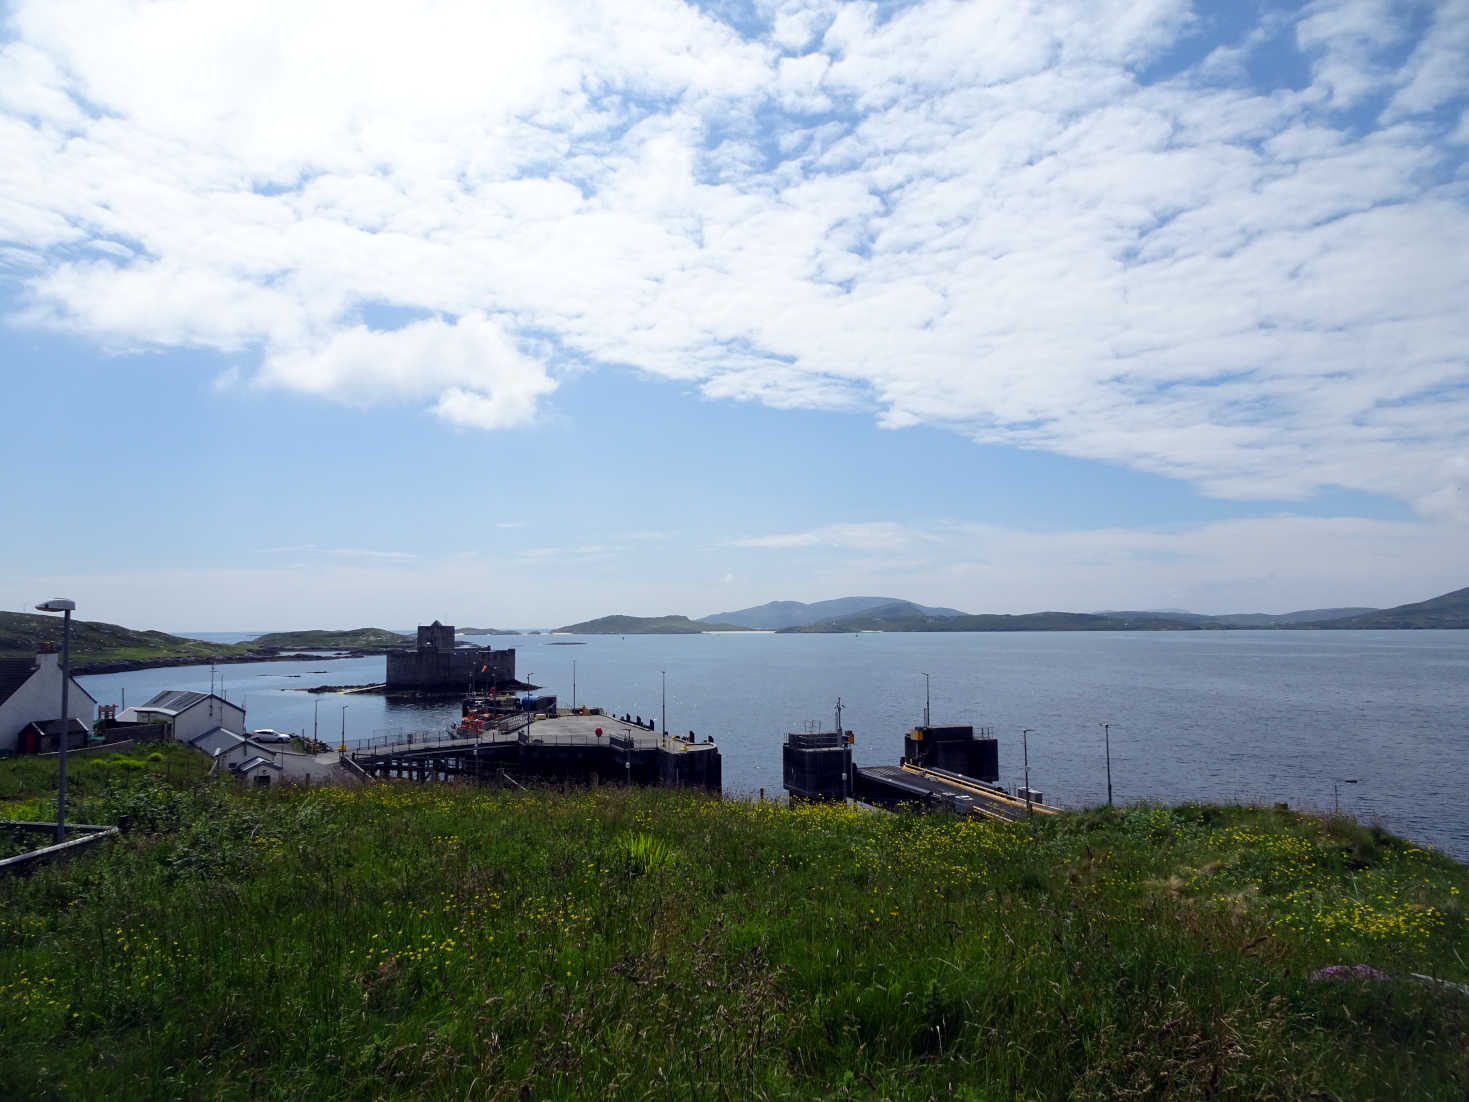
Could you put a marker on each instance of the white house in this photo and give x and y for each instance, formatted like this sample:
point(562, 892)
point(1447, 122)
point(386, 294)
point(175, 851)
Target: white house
point(187, 714)
point(30, 692)
point(238, 754)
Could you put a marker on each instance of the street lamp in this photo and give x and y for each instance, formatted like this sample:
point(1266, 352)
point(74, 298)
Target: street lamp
point(344, 723)
point(316, 720)
point(573, 684)
point(1107, 735)
point(66, 608)
point(925, 700)
point(664, 675)
point(1335, 795)
point(1025, 748)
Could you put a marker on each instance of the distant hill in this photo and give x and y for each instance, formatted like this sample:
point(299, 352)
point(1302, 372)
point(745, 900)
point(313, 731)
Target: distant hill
point(775, 615)
point(1240, 619)
point(1450, 610)
point(332, 640)
point(645, 625)
point(897, 617)
point(93, 642)
point(486, 631)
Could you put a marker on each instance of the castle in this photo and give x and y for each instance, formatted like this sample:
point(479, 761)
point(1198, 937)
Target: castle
point(437, 665)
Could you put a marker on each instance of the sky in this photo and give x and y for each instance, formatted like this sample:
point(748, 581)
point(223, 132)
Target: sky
point(318, 313)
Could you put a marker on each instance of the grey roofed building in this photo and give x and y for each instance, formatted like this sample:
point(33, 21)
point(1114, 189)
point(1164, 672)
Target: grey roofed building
point(254, 763)
point(187, 714)
point(173, 701)
point(48, 734)
point(216, 738)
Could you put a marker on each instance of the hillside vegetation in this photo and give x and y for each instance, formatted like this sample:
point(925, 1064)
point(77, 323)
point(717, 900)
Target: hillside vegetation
point(93, 642)
point(1450, 610)
point(903, 617)
point(774, 615)
point(350, 639)
point(413, 941)
point(644, 625)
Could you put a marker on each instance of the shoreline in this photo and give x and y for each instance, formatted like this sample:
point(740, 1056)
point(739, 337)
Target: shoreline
point(133, 665)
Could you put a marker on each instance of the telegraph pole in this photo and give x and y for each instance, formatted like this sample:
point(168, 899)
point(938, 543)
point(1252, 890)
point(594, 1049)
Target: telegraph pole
point(925, 701)
point(1107, 735)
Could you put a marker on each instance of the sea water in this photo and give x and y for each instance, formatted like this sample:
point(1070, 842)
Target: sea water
point(1265, 716)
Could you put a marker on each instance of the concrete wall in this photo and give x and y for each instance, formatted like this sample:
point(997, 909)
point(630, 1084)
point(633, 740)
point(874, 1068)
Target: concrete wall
point(40, 699)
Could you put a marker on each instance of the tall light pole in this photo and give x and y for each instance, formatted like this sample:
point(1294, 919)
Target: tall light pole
point(664, 675)
point(316, 719)
point(66, 607)
point(1107, 736)
point(1335, 795)
point(925, 700)
point(344, 723)
point(1025, 748)
point(573, 684)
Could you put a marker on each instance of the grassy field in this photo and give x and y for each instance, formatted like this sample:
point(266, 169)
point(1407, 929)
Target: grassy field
point(28, 782)
point(440, 942)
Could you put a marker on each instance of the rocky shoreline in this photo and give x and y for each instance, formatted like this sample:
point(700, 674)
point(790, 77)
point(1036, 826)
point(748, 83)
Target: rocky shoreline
point(131, 665)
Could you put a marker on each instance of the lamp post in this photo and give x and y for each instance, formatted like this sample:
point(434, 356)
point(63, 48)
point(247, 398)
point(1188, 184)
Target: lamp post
point(925, 700)
point(66, 607)
point(664, 675)
point(344, 723)
point(1107, 735)
point(1025, 749)
point(316, 719)
point(1335, 795)
point(573, 684)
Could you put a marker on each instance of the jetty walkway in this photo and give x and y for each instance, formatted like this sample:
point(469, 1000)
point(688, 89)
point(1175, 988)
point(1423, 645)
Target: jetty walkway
point(581, 747)
point(894, 785)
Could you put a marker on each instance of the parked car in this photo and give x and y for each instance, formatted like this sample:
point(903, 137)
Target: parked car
point(267, 735)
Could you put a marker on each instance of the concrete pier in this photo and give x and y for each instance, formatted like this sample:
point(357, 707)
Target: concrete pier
point(581, 748)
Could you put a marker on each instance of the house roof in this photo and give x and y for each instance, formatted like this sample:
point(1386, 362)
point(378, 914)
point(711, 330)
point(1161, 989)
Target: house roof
point(48, 726)
point(177, 701)
point(14, 672)
point(216, 738)
point(254, 763)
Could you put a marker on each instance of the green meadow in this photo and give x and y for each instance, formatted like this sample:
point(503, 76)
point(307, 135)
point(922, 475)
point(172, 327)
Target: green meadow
point(406, 941)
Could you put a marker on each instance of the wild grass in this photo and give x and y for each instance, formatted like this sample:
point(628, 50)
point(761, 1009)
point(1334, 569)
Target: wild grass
point(407, 941)
point(28, 782)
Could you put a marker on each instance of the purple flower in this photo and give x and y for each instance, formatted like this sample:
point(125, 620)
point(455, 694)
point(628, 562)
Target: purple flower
point(1348, 972)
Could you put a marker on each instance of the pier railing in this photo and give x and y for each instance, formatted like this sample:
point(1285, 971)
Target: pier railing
point(503, 730)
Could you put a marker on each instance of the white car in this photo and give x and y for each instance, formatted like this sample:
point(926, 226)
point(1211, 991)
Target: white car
point(267, 735)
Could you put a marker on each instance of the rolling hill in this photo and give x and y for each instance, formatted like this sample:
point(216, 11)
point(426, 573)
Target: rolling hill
point(1241, 619)
point(898, 617)
point(1448, 610)
point(644, 625)
point(21, 633)
point(775, 615)
point(349, 639)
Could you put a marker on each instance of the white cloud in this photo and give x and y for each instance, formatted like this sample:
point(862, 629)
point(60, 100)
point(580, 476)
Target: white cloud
point(481, 378)
point(874, 536)
point(997, 228)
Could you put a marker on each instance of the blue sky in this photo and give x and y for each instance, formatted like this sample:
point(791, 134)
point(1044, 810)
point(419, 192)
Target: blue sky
point(315, 314)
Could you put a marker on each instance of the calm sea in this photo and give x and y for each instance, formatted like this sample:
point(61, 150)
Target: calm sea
point(1243, 715)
